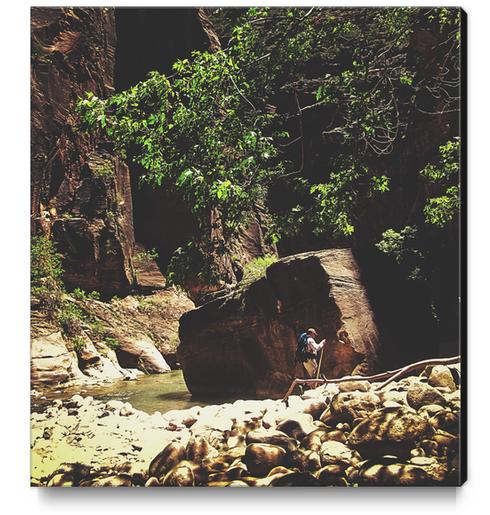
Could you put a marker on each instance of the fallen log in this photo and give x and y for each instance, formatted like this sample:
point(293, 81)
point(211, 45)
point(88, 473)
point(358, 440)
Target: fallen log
point(415, 366)
point(389, 375)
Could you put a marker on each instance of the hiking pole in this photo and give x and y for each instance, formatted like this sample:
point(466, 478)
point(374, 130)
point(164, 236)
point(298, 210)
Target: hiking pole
point(319, 364)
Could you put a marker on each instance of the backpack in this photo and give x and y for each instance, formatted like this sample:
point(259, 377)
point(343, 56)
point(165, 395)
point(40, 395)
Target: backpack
point(302, 353)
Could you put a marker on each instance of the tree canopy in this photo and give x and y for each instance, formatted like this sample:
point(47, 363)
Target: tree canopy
point(317, 104)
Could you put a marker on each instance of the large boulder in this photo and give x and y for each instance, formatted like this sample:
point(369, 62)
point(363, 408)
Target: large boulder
point(140, 352)
point(392, 431)
point(245, 341)
point(421, 394)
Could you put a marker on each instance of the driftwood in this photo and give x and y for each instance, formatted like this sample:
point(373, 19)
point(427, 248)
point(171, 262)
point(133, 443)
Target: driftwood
point(388, 376)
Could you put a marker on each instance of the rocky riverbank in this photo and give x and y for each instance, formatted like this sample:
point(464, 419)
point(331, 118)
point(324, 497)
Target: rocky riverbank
point(345, 434)
point(116, 339)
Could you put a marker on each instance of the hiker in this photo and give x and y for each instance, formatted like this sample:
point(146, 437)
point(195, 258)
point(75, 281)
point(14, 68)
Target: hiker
point(307, 352)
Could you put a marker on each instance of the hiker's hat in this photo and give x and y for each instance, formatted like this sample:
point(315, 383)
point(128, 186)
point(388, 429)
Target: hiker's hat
point(311, 330)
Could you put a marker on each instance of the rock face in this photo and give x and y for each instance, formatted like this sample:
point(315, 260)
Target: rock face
point(81, 194)
point(55, 363)
point(119, 338)
point(246, 340)
point(51, 362)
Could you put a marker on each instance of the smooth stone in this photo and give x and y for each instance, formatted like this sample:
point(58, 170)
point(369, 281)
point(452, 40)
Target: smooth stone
point(271, 436)
point(441, 376)
point(112, 481)
point(171, 455)
point(181, 474)
point(420, 394)
point(389, 431)
point(297, 426)
point(395, 474)
point(333, 452)
point(260, 458)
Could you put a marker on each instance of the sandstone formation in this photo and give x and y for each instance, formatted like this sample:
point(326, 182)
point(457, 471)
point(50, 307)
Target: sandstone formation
point(250, 443)
point(81, 194)
point(51, 361)
point(245, 341)
point(117, 339)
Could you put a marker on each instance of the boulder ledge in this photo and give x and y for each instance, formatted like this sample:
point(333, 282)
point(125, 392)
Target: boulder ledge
point(245, 341)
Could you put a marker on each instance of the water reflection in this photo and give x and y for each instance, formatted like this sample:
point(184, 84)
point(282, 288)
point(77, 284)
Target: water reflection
point(159, 392)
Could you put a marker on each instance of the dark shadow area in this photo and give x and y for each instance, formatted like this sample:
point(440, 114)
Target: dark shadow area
point(153, 39)
point(408, 325)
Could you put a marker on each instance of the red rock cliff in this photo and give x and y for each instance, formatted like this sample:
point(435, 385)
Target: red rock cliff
point(80, 192)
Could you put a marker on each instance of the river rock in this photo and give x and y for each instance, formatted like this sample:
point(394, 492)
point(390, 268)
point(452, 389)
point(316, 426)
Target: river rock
point(297, 426)
point(212, 422)
point(314, 407)
point(399, 397)
point(313, 441)
point(172, 454)
point(333, 452)
point(348, 406)
point(395, 474)
point(181, 474)
point(447, 421)
point(152, 481)
point(336, 435)
point(273, 437)
point(260, 458)
point(332, 475)
point(119, 480)
point(114, 405)
point(296, 479)
point(304, 460)
point(198, 449)
point(441, 376)
point(353, 386)
point(62, 479)
point(244, 342)
point(126, 410)
point(420, 394)
point(389, 431)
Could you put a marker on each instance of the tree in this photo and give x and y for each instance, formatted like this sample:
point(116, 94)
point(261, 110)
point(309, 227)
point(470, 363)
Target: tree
point(314, 101)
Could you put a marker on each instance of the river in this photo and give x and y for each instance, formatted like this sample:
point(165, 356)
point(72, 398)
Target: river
point(149, 393)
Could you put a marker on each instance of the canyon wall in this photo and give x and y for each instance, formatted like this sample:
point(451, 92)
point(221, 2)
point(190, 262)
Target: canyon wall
point(80, 192)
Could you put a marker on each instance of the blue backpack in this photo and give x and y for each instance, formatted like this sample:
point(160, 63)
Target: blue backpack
point(302, 353)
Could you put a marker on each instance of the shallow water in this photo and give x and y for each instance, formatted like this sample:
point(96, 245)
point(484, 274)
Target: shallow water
point(158, 392)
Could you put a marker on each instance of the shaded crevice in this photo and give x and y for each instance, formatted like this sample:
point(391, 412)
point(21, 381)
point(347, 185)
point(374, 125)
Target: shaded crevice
point(151, 39)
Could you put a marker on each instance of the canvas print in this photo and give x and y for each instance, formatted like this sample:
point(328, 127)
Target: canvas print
point(247, 230)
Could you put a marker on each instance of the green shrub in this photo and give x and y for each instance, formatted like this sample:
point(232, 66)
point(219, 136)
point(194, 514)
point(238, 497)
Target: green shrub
point(46, 270)
point(145, 257)
point(112, 343)
point(81, 295)
point(256, 268)
point(78, 343)
point(45, 261)
point(97, 328)
point(70, 317)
